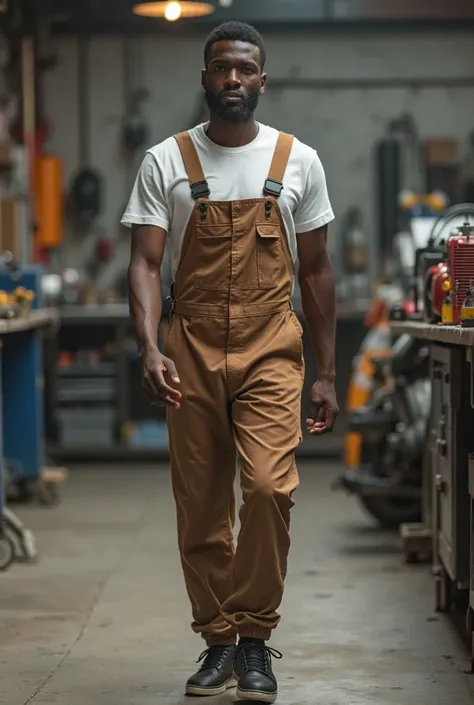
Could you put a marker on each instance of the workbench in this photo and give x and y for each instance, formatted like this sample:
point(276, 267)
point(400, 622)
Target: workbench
point(448, 485)
point(21, 411)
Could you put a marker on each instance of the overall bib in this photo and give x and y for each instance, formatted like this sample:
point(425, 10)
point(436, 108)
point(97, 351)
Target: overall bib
point(237, 345)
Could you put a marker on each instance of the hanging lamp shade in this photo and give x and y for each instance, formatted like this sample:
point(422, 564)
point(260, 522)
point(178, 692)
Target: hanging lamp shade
point(173, 10)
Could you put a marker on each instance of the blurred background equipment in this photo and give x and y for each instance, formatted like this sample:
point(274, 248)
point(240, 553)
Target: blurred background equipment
point(392, 426)
point(453, 274)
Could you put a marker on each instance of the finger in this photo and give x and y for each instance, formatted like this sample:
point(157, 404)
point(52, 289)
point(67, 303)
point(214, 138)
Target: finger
point(158, 391)
point(331, 415)
point(321, 415)
point(167, 401)
point(163, 401)
point(162, 388)
point(167, 391)
point(317, 408)
point(319, 424)
point(319, 430)
point(170, 367)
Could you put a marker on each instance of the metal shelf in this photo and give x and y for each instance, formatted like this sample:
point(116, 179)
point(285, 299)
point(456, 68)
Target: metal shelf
point(84, 369)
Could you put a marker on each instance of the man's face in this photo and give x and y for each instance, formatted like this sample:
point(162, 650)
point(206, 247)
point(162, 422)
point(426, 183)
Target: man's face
point(233, 80)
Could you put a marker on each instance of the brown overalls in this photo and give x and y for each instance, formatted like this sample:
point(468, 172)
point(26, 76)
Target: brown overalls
point(237, 345)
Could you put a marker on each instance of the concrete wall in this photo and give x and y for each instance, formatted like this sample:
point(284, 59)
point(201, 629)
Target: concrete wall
point(341, 123)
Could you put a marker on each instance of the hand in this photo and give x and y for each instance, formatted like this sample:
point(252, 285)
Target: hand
point(154, 367)
point(325, 409)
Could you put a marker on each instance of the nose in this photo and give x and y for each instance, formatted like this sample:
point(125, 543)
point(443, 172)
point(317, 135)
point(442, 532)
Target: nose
point(232, 81)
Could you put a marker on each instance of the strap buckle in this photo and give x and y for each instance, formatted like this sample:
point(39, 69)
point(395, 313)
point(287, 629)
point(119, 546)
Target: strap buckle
point(273, 187)
point(200, 189)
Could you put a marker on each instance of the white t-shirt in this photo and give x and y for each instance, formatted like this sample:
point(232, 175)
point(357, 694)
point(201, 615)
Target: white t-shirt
point(161, 195)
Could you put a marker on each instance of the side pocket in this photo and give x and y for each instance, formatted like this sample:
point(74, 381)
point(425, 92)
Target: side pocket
point(296, 322)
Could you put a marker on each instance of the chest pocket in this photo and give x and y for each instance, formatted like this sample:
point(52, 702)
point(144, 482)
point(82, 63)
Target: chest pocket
point(266, 260)
point(212, 251)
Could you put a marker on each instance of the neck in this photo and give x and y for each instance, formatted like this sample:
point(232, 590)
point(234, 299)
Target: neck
point(226, 134)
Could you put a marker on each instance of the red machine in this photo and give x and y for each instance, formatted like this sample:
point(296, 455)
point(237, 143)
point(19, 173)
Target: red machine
point(455, 275)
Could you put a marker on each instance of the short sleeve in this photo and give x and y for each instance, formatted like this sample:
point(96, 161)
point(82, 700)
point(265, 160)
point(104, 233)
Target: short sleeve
point(147, 204)
point(314, 209)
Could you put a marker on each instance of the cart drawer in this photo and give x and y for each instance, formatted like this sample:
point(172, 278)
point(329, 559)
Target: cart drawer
point(79, 426)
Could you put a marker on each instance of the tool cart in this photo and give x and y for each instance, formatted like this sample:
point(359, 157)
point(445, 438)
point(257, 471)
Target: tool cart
point(21, 405)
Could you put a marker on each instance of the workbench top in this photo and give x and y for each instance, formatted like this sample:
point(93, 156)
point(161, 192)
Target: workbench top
point(451, 335)
point(35, 319)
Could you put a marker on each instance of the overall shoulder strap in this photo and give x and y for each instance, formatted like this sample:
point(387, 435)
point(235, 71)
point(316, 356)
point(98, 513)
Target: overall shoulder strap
point(197, 180)
point(274, 183)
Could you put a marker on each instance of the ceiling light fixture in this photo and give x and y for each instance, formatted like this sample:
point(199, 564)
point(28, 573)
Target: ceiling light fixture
point(172, 10)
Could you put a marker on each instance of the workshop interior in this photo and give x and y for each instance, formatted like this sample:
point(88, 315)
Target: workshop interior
point(384, 91)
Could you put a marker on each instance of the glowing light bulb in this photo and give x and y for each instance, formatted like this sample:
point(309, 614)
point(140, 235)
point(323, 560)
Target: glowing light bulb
point(173, 11)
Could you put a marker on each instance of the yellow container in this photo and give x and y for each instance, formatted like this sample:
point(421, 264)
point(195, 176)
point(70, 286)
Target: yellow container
point(447, 314)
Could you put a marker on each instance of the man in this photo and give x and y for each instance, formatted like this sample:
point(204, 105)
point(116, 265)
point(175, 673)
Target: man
point(228, 198)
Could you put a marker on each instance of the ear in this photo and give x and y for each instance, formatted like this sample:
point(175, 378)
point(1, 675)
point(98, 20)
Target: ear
point(263, 83)
point(203, 79)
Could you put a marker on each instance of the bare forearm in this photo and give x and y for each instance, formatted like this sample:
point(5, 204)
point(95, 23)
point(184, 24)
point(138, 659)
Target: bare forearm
point(318, 299)
point(145, 302)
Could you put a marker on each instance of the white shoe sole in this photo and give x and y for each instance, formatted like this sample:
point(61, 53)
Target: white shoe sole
point(207, 692)
point(256, 697)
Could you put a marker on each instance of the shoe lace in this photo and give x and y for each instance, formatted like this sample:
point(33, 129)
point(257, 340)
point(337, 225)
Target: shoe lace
point(213, 657)
point(258, 658)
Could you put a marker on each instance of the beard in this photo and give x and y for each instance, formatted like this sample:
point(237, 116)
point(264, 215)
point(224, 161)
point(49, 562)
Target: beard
point(230, 112)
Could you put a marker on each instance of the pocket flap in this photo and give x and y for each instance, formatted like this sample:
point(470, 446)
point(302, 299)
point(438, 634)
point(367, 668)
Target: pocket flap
point(268, 230)
point(206, 230)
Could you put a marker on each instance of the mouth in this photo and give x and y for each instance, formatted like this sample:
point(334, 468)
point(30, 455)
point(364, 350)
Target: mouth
point(232, 96)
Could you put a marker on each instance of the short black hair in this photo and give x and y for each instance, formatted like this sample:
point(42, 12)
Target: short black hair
point(236, 32)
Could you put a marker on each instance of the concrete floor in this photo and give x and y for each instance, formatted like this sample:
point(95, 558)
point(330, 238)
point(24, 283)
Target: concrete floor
point(103, 618)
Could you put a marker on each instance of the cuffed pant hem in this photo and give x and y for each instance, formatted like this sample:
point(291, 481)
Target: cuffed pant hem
point(220, 640)
point(255, 633)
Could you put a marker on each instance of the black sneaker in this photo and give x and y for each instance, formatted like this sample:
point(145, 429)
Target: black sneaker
point(215, 675)
point(253, 672)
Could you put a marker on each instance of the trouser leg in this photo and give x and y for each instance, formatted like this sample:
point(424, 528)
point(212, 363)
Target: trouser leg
point(203, 464)
point(267, 428)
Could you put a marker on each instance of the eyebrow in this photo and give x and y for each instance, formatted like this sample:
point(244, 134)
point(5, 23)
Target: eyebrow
point(227, 59)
